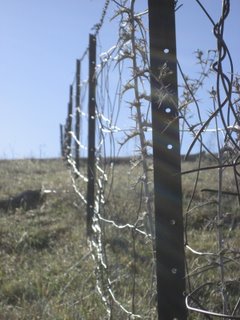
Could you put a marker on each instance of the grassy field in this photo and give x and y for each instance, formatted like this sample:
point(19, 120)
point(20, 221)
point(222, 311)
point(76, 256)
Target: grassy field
point(46, 266)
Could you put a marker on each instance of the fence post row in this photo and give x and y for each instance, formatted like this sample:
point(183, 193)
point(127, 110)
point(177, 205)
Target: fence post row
point(91, 133)
point(167, 162)
point(78, 108)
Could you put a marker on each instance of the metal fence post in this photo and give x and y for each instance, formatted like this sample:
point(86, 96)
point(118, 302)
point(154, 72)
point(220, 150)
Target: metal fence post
point(91, 133)
point(77, 124)
point(170, 258)
point(61, 140)
point(68, 136)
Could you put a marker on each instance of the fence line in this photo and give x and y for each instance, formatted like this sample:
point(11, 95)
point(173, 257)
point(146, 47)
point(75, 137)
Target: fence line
point(121, 198)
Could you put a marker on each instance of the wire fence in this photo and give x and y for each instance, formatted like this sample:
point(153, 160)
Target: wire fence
point(112, 166)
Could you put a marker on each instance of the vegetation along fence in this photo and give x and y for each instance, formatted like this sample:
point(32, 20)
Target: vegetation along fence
point(163, 231)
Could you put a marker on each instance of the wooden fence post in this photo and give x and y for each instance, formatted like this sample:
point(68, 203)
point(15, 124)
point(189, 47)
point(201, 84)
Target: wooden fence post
point(170, 258)
point(91, 133)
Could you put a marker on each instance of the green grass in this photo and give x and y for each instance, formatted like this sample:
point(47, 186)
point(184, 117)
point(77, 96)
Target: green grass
point(46, 265)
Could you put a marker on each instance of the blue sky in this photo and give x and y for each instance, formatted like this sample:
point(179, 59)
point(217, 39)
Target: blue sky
point(40, 42)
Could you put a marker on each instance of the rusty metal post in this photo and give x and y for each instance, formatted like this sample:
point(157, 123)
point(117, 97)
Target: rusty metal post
point(91, 133)
point(170, 258)
point(77, 124)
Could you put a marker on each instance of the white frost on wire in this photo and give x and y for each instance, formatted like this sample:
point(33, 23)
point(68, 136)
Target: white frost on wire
point(84, 82)
point(77, 191)
point(109, 130)
point(77, 141)
point(75, 170)
point(99, 258)
point(141, 13)
point(124, 226)
point(105, 56)
point(102, 171)
point(107, 127)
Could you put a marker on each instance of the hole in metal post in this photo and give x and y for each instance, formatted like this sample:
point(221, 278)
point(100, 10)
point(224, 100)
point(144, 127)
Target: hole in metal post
point(168, 110)
point(170, 146)
point(174, 270)
point(166, 50)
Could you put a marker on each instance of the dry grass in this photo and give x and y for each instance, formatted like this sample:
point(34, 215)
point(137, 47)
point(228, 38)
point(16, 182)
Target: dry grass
point(46, 268)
